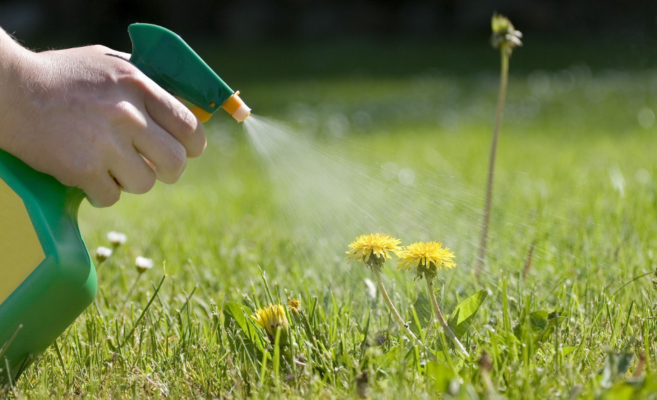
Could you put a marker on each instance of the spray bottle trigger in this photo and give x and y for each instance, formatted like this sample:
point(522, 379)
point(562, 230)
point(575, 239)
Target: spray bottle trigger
point(198, 112)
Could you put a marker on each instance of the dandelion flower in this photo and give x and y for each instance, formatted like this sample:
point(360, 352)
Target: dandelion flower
point(102, 254)
point(271, 318)
point(374, 249)
point(378, 245)
point(117, 238)
point(427, 257)
point(143, 264)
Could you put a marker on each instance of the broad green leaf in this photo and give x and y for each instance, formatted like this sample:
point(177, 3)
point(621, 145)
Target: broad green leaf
point(422, 308)
point(620, 391)
point(567, 350)
point(241, 315)
point(465, 313)
point(541, 325)
point(538, 320)
point(440, 375)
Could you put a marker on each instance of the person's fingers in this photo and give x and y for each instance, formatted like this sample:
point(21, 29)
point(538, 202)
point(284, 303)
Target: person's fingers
point(102, 191)
point(165, 153)
point(176, 119)
point(132, 172)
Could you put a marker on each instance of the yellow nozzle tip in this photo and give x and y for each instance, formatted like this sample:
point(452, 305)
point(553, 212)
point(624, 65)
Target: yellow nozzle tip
point(235, 106)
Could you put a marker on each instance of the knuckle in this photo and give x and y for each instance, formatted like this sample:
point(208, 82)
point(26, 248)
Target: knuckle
point(124, 112)
point(100, 48)
point(130, 76)
point(77, 171)
point(186, 122)
point(84, 169)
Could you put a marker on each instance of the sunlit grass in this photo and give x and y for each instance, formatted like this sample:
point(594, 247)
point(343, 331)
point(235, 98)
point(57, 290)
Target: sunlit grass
point(576, 182)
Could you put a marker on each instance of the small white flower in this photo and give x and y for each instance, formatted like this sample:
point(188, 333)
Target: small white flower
point(370, 289)
point(143, 264)
point(117, 238)
point(103, 253)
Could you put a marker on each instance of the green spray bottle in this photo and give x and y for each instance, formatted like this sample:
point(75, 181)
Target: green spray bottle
point(47, 277)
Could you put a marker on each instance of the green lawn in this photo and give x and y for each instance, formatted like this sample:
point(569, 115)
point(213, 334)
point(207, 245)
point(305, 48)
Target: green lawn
point(576, 182)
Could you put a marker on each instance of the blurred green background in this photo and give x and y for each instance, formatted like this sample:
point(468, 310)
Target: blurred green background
point(388, 89)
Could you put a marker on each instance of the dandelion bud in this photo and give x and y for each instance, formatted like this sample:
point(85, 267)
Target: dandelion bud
point(102, 254)
point(143, 264)
point(294, 305)
point(117, 238)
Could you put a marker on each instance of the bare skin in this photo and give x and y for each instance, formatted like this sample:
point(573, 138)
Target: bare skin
point(92, 120)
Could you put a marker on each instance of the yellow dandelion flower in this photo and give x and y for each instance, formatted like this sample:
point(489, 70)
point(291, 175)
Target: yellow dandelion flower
point(427, 257)
point(271, 318)
point(378, 244)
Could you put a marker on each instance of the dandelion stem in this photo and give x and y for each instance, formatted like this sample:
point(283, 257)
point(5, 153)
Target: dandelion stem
point(483, 243)
point(441, 319)
point(394, 311)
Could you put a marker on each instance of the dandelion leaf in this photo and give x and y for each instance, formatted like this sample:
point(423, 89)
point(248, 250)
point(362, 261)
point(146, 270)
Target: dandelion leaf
point(541, 325)
point(620, 391)
point(440, 375)
point(616, 366)
point(240, 314)
point(465, 313)
point(422, 308)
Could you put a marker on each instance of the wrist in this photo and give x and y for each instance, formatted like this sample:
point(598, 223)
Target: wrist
point(13, 59)
point(10, 55)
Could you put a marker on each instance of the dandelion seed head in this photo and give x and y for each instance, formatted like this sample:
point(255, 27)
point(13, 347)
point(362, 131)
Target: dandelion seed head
point(103, 253)
point(143, 264)
point(117, 238)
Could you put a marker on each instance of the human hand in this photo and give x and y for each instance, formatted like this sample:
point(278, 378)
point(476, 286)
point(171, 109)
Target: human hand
point(92, 120)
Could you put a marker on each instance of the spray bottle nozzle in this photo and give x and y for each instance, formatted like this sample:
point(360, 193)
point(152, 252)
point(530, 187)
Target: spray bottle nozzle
point(235, 106)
